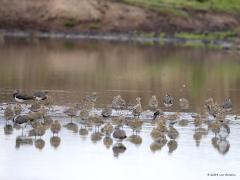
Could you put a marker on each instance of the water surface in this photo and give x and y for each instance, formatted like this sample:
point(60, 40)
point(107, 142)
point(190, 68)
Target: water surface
point(71, 69)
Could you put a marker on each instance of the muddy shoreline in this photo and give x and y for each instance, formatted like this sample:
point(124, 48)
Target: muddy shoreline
point(108, 16)
point(169, 39)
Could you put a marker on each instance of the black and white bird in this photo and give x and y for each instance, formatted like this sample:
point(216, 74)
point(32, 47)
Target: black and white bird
point(22, 121)
point(21, 97)
point(168, 100)
point(107, 111)
point(157, 113)
point(40, 95)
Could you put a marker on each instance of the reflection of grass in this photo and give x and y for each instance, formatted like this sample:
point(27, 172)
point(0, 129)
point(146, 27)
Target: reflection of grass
point(209, 36)
point(198, 78)
point(68, 45)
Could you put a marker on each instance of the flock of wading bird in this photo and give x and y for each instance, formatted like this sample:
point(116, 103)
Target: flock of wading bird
point(106, 125)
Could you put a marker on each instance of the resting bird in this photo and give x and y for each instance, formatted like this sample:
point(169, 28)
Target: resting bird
point(184, 103)
point(135, 124)
point(71, 112)
point(35, 107)
point(17, 109)
point(40, 95)
point(167, 100)
point(55, 127)
point(107, 129)
point(21, 120)
point(153, 103)
point(118, 102)
point(92, 98)
point(21, 97)
point(107, 111)
point(97, 121)
point(213, 108)
point(137, 109)
point(227, 104)
point(8, 113)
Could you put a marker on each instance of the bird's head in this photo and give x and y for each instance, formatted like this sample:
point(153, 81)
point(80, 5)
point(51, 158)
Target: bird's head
point(16, 91)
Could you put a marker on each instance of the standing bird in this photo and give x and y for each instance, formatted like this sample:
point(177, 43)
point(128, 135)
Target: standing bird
point(107, 129)
point(135, 124)
point(9, 113)
point(40, 95)
point(153, 103)
point(227, 104)
point(172, 133)
point(107, 111)
point(71, 112)
point(84, 114)
point(17, 109)
point(21, 97)
point(97, 121)
point(183, 103)
point(168, 100)
point(119, 121)
point(119, 134)
point(49, 102)
point(55, 127)
point(137, 109)
point(35, 107)
point(118, 102)
point(39, 130)
point(21, 120)
point(213, 108)
point(93, 97)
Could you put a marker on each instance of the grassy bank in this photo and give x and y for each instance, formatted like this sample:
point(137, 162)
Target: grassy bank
point(213, 5)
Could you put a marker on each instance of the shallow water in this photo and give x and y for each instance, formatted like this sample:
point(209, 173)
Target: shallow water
point(80, 157)
point(69, 70)
point(72, 69)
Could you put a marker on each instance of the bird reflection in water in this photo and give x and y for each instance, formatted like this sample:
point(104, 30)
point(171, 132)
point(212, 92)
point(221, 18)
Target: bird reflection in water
point(199, 133)
point(172, 146)
point(83, 131)
point(73, 127)
point(23, 141)
point(158, 143)
point(96, 136)
point(107, 141)
point(118, 149)
point(135, 139)
point(8, 129)
point(39, 143)
point(219, 141)
point(55, 141)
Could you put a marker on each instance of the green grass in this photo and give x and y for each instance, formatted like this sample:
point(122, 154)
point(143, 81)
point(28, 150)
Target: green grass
point(94, 26)
point(70, 23)
point(216, 5)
